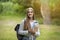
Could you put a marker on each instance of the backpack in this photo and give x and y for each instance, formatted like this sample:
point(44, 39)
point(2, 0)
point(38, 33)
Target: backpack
point(20, 37)
point(17, 27)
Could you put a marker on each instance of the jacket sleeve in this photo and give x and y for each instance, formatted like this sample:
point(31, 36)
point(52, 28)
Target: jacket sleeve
point(38, 32)
point(21, 31)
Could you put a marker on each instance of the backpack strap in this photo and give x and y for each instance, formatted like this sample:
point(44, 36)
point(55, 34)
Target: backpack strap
point(17, 27)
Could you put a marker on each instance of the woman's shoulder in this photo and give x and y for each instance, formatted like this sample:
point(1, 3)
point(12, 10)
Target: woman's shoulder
point(22, 21)
point(36, 22)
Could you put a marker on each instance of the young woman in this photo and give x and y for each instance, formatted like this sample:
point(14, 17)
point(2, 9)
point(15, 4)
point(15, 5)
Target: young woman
point(29, 26)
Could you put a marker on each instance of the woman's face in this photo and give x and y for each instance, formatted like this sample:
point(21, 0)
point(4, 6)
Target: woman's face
point(30, 12)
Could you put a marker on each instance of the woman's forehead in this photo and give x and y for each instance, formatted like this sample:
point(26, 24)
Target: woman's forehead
point(30, 8)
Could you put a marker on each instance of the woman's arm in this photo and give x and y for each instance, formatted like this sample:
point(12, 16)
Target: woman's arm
point(21, 31)
point(36, 31)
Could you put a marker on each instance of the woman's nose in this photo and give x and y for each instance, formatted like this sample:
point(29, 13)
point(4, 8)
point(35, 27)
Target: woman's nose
point(30, 13)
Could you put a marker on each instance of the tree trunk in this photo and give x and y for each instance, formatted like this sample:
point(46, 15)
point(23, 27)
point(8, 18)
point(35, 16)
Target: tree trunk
point(45, 11)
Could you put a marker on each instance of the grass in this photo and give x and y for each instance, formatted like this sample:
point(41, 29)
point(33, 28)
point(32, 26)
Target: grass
point(49, 32)
point(8, 23)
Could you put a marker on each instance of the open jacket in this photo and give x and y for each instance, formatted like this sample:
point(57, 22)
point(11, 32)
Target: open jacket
point(33, 24)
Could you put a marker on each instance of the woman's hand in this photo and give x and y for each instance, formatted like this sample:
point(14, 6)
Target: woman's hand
point(33, 31)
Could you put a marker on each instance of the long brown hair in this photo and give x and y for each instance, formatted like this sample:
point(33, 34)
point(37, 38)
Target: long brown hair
point(26, 22)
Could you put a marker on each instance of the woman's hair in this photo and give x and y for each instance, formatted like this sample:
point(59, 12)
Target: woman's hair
point(26, 22)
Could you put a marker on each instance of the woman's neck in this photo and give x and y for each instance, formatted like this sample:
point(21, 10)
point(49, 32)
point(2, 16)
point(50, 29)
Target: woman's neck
point(31, 19)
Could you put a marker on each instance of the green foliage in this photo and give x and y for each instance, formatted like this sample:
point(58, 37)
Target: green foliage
point(56, 21)
point(37, 11)
point(1, 8)
point(55, 11)
point(10, 8)
point(4, 0)
point(18, 7)
point(54, 8)
point(7, 6)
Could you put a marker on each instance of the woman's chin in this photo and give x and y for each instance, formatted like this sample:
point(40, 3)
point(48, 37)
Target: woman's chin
point(30, 16)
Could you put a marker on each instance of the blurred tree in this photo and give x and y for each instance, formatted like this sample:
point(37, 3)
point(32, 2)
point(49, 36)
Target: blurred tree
point(36, 5)
point(45, 11)
point(4, 0)
point(55, 11)
point(1, 8)
point(25, 3)
point(55, 8)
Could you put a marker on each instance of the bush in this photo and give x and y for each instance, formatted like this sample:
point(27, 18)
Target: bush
point(56, 21)
point(1, 8)
point(10, 8)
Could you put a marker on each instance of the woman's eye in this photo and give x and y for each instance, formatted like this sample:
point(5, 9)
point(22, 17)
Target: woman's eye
point(30, 12)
